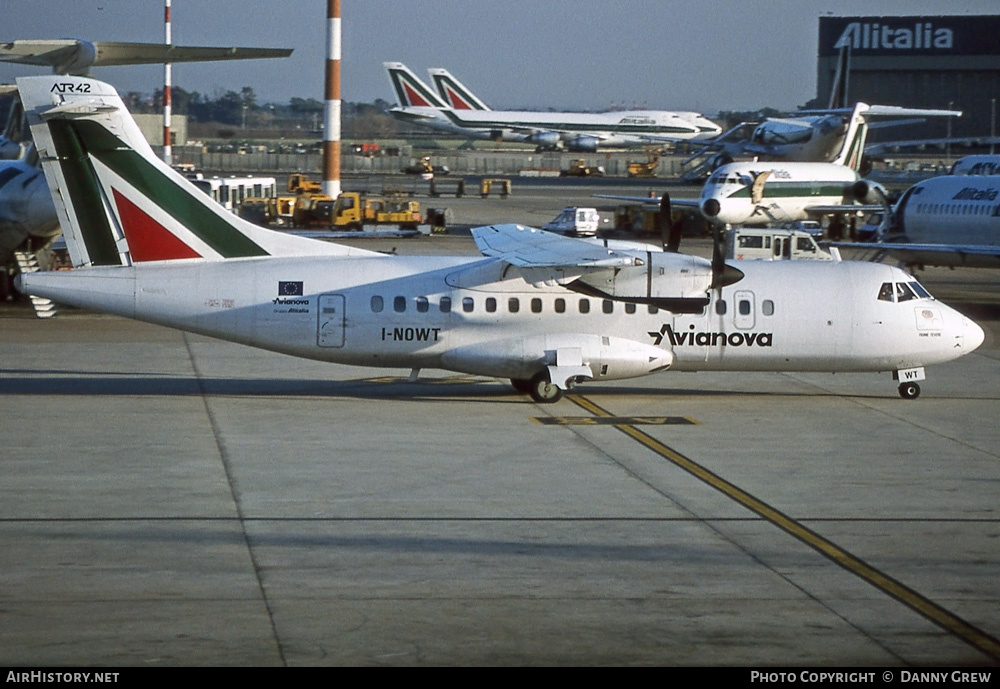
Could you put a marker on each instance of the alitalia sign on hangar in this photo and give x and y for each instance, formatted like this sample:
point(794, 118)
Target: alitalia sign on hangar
point(957, 35)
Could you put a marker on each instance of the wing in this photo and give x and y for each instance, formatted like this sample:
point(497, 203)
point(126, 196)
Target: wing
point(682, 203)
point(526, 247)
point(844, 208)
point(956, 255)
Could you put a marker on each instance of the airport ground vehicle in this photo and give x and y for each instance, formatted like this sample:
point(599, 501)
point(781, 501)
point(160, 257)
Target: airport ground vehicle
point(644, 169)
point(744, 243)
point(575, 222)
point(578, 168)
point(351, 210)
point(231, 192)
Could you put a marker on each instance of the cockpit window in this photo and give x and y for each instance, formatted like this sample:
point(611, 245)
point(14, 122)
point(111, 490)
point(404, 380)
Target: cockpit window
point(903, 292)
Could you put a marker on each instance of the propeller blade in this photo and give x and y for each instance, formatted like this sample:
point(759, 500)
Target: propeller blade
point(669, 233)
point(723, 274)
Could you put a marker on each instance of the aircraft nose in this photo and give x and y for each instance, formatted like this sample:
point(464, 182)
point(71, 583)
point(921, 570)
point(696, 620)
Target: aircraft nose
point(974, 335)
point(711, 208)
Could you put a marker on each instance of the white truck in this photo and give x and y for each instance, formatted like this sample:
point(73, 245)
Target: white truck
point(575, 222)
point(746, 243)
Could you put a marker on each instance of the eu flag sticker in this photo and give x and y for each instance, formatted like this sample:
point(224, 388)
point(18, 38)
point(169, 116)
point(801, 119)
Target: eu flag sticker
point(289, 289)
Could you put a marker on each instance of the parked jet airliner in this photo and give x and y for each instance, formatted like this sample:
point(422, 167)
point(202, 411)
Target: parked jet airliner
point(952, 220)
point(458, 97)
point(543, 310)
point(576, 131)
point(764, 193)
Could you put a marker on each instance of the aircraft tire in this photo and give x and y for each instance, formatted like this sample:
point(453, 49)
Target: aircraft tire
point(544, 391)
point(909, 391)
point(521, 385)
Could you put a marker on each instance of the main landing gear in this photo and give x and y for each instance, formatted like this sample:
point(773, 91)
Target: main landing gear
point(541, 389)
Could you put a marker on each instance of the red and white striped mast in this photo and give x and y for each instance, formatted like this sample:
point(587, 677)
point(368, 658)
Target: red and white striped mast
point(331, 106)
point(168, 156)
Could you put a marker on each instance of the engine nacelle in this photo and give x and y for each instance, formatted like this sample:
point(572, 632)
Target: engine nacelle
point(567, 356)
point(543, 138)
point(676, 282)
point(583, 144)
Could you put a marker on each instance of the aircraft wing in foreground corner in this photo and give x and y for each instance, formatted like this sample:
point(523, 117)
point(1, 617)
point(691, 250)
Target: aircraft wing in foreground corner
point(74, 56)
point(149, 245)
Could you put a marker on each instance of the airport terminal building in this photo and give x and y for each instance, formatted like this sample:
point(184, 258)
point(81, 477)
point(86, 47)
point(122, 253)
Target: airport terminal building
point(922, 62)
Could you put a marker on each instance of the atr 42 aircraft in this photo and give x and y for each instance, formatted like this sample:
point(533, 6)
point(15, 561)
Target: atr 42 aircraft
point(28, 221)
point(576, 131)
point(544, 310)
point(944, 221)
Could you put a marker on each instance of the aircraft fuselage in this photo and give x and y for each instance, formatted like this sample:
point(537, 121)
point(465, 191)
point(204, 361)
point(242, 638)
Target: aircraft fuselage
point(431, 312)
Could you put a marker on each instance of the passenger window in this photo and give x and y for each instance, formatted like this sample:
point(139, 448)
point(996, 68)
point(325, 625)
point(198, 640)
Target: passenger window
point(653, 309)
point(560, 305)
point(513, 305)
point(399, 304)
point(584, 306)
point(744, 307)
point(885, 292)
point(629, 308)
point(536, 305)
point(422, 304)
point(468, 304)
point(491, 304)
point(445, 305)
point(377, 305)
point(720, 307)
point(767, 307)
point(608, 306)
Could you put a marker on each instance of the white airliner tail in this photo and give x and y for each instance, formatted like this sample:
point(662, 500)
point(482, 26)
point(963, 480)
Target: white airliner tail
point(411, 92)
point(853, 148)
point(453, 92)
point(118, 203)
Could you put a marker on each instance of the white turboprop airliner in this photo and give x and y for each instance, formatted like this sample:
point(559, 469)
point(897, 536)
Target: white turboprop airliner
point(945, 221)
point(543, 310)
point(576, 131)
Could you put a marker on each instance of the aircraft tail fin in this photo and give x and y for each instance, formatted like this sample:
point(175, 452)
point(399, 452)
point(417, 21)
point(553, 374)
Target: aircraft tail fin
point(853, 149)
point(838, 92)
point(453, 92)
point(119, 204)
point(411, 92)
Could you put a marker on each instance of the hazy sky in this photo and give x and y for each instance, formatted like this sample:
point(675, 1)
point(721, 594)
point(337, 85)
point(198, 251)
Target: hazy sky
point(705, 55)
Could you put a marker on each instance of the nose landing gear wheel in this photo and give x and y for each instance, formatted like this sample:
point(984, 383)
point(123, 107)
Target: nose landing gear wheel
point(909, 391)
point(542, 390)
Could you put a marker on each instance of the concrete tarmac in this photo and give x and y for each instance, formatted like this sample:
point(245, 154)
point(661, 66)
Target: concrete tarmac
point(169, 499)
